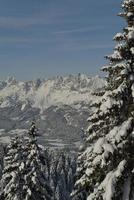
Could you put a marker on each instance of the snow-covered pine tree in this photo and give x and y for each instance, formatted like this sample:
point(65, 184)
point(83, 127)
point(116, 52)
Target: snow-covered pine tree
point(36, 184)
point(33, 130)
point(106, 167)
point(24, 173)
point(11, 182)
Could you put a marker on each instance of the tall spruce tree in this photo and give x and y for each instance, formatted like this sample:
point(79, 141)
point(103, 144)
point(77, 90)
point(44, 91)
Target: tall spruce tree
point(106, 167)
point(36, 184)
point(24, 173)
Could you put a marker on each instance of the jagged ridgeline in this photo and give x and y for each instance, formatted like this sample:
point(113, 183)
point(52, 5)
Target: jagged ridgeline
point(31, 172)
point(106, 167)
point(60, 107)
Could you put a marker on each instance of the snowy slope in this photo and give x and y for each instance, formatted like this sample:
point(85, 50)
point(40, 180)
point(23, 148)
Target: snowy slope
point(60, 105)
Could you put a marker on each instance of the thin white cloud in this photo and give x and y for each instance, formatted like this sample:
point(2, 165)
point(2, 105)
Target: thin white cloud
point(50, 17)
point(60, 43)
point(84, 29)
point(14, 22)
point(22, 40)
point(79, 46)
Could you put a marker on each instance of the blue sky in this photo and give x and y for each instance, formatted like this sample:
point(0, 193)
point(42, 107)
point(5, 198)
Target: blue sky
point(44, 38)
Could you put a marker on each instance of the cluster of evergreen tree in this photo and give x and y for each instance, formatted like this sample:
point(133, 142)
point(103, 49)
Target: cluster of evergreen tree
point(62, 170)
point(106, 167)
point(23, 175)
point(30, 172)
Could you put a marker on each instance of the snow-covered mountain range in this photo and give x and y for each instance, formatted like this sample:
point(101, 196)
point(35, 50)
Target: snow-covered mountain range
point(59, 105)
